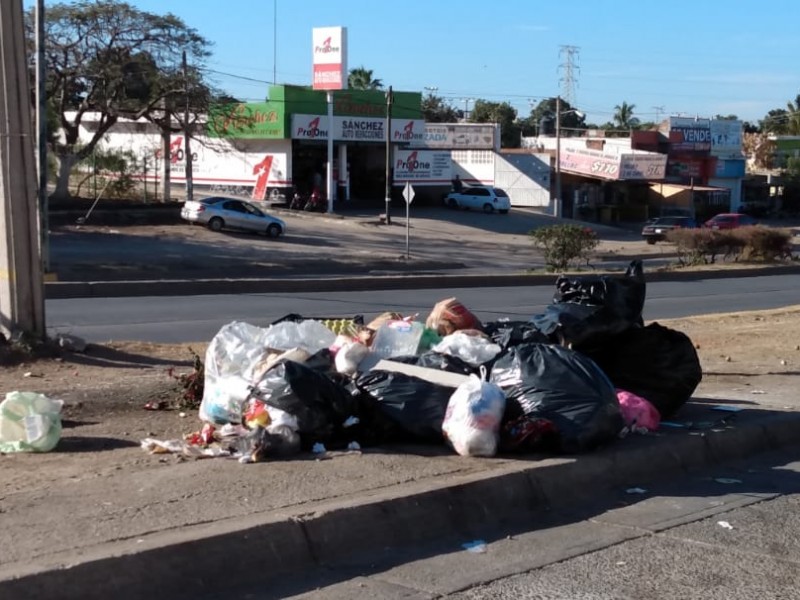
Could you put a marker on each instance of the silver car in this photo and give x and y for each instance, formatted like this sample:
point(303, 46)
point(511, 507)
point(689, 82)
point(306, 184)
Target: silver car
point(229, 213)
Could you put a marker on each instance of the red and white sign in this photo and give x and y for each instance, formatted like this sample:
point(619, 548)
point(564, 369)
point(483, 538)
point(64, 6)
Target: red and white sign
point(590, 162)
point(354, 129)
point(643, 166)
point(424, 167)
point(329, 51)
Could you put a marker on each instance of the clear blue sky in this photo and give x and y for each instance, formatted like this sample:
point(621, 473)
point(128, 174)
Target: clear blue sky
point(699, 57)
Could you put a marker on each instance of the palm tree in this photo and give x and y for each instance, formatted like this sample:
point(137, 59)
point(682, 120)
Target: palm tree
point(793, 122)
point(361, 79)
point(623, 116)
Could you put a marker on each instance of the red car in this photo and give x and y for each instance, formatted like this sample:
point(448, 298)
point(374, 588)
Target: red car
point(729, 221)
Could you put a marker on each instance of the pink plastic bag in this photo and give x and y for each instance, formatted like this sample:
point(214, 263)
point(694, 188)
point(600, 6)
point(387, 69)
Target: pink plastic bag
point(637, 412)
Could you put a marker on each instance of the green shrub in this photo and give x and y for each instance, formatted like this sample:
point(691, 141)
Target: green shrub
point(564, 244)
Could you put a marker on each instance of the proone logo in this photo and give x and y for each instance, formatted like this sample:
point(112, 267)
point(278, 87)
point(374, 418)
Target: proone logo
point(312, 130)
point(412, 163)
point(408, 133)
point(326, 47)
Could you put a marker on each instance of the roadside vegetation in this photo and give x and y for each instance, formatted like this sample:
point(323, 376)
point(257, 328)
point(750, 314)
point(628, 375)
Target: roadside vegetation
point(755, 244)
point(564, 246)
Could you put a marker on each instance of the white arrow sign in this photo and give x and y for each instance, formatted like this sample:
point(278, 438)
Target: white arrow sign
point(408, 193)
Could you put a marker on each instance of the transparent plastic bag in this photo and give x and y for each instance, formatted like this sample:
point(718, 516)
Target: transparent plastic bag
point(238, 350)
point(29, 422)
point(472, 421)
point(472, 349)
point(397, 338)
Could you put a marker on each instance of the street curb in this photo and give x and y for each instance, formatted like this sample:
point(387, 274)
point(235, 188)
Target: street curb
point(262, 549)
point(199, 287)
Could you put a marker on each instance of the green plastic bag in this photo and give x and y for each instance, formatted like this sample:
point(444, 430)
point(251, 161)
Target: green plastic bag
point(29, 422)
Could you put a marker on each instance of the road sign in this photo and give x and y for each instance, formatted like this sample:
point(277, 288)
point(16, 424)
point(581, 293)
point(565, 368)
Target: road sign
point(408, 193)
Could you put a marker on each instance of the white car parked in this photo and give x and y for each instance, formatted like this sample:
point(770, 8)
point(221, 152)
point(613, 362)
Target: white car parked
point(231, 213)
point(485, 198)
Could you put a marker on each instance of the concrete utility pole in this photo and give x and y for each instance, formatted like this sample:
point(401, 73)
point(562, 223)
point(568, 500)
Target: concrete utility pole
point(21, 285)
point(187, 146)
point(389, 101)
point(557, 207)
point(41, 136)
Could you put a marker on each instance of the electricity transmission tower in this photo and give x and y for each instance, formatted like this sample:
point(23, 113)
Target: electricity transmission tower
point(659, 110)
point(569, 68)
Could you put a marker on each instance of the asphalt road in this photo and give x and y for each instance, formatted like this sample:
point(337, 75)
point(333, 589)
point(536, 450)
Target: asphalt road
point(198, 318)
point(730, 533)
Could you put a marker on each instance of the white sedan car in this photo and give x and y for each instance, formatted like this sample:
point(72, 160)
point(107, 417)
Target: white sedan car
point(230, 213)
point(485, 198)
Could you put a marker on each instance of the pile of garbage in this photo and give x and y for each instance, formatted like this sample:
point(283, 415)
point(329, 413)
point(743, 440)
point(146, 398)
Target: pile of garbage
point(581, 374)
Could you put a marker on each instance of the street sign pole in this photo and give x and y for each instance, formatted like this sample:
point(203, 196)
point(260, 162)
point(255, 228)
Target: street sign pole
point(408, 194)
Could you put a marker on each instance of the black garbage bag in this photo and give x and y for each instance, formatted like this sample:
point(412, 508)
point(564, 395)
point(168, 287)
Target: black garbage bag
point(593, 307)
point(320, 404)
point(403, 407)
point(440, 361)
point(621, 297)
point(513, 333)
point(562, 393)
point(657, 363)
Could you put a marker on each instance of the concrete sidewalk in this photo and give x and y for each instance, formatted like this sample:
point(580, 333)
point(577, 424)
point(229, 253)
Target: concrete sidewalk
point(190, 529)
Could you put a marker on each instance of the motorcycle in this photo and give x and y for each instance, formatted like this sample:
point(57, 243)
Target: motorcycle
point(297, 202)
point(316, 203)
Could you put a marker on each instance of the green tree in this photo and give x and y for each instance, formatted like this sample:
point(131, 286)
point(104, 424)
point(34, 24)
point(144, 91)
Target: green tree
point(109, 58)
point(793, 116)
point(775, 122)
point(502, 113)
point(360, 78)
point(436, 110)
point(546, 109)
point(623, 116)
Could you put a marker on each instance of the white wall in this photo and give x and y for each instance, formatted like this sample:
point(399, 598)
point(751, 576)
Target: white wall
point(218, 164)
point(525, 178)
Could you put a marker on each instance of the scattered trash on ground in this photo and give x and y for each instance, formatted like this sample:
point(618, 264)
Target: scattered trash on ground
point(724, 524)
point(573, 378)
point(726, 408)
point(476, 547)
point(29, 422)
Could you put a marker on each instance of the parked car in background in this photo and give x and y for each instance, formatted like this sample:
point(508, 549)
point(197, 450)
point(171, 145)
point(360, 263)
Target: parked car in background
point(486, 198)
point(230, 213)
point(656, 230)
point(729, 221)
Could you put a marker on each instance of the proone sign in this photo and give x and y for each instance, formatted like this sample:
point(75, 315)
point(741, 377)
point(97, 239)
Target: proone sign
point(329, 51)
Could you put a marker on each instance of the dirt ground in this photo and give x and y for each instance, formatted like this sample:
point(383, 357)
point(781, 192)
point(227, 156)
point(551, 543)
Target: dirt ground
point(106, 388)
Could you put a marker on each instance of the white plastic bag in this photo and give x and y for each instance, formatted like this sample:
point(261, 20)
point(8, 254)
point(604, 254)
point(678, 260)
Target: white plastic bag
point(472, 349)
point(29, 422)
point(349, 357)
point(472, 421)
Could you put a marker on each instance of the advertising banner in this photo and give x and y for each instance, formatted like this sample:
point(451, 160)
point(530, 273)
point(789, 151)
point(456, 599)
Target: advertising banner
point(309, 127)
point(726, 138)
point(694, 135)
point(590, 162)
point(251, 120)
point(353, 129)
point(329, 49)
point(454, 135)
point(729, 169)
point(421, 166)
point(643, 166)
